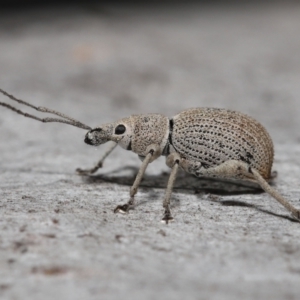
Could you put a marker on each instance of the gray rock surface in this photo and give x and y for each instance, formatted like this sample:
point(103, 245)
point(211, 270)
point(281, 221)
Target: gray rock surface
point(59, 237)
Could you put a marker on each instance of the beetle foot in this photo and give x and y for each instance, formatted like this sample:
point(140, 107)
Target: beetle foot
point(88, 171)
point(296, 215)
point(167, 217)
point(124, 208)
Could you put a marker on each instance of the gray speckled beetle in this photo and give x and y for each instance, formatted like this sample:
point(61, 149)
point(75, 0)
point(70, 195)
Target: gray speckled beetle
point(206, 142)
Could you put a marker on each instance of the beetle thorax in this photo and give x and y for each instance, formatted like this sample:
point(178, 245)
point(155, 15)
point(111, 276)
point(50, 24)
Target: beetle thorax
point(146, 130)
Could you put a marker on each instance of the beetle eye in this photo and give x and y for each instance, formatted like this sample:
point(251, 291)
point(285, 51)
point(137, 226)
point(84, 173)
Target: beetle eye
point(120, 129)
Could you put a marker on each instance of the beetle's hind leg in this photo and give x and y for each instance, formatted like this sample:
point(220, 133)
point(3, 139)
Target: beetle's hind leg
point(99, 163)
point(238, 169)
point(264, 184)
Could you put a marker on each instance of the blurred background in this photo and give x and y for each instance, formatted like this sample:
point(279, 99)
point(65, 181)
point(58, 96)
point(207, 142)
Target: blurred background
point(98, 62)
point(117, 58)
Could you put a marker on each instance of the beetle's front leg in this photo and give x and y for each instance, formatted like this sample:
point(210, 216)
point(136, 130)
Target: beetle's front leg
point(153, 153)
point(99, 163)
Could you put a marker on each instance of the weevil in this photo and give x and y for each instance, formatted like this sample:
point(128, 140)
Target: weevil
point(208, 142)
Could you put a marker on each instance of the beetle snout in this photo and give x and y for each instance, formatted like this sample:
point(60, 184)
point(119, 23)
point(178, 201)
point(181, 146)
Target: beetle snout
point(95, 137)
point(89, 138)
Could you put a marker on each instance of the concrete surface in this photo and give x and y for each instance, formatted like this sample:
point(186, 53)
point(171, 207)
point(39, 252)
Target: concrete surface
point(59, 238)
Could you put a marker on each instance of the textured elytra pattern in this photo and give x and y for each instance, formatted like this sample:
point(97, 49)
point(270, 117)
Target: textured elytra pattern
point(149, 129)
point(213, 136)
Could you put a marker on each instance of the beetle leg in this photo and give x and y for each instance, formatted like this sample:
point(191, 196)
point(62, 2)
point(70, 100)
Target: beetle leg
point(271, 191)
point(99, 163)
point(234, 169)
point(173, 161)
point(153, 153)
point(246, 170)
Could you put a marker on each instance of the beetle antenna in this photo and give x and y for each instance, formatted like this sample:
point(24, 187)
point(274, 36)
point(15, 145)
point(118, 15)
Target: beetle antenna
point(64, 118)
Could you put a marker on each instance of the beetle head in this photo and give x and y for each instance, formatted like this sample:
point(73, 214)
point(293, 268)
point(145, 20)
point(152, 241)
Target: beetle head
point(135, 133)
point(119, 132)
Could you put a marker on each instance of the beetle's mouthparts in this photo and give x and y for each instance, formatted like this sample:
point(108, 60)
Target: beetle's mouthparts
point(89, 139)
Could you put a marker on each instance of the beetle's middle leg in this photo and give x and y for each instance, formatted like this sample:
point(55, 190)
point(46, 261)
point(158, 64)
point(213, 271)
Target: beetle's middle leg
point(173, 161)
point(153, 153)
